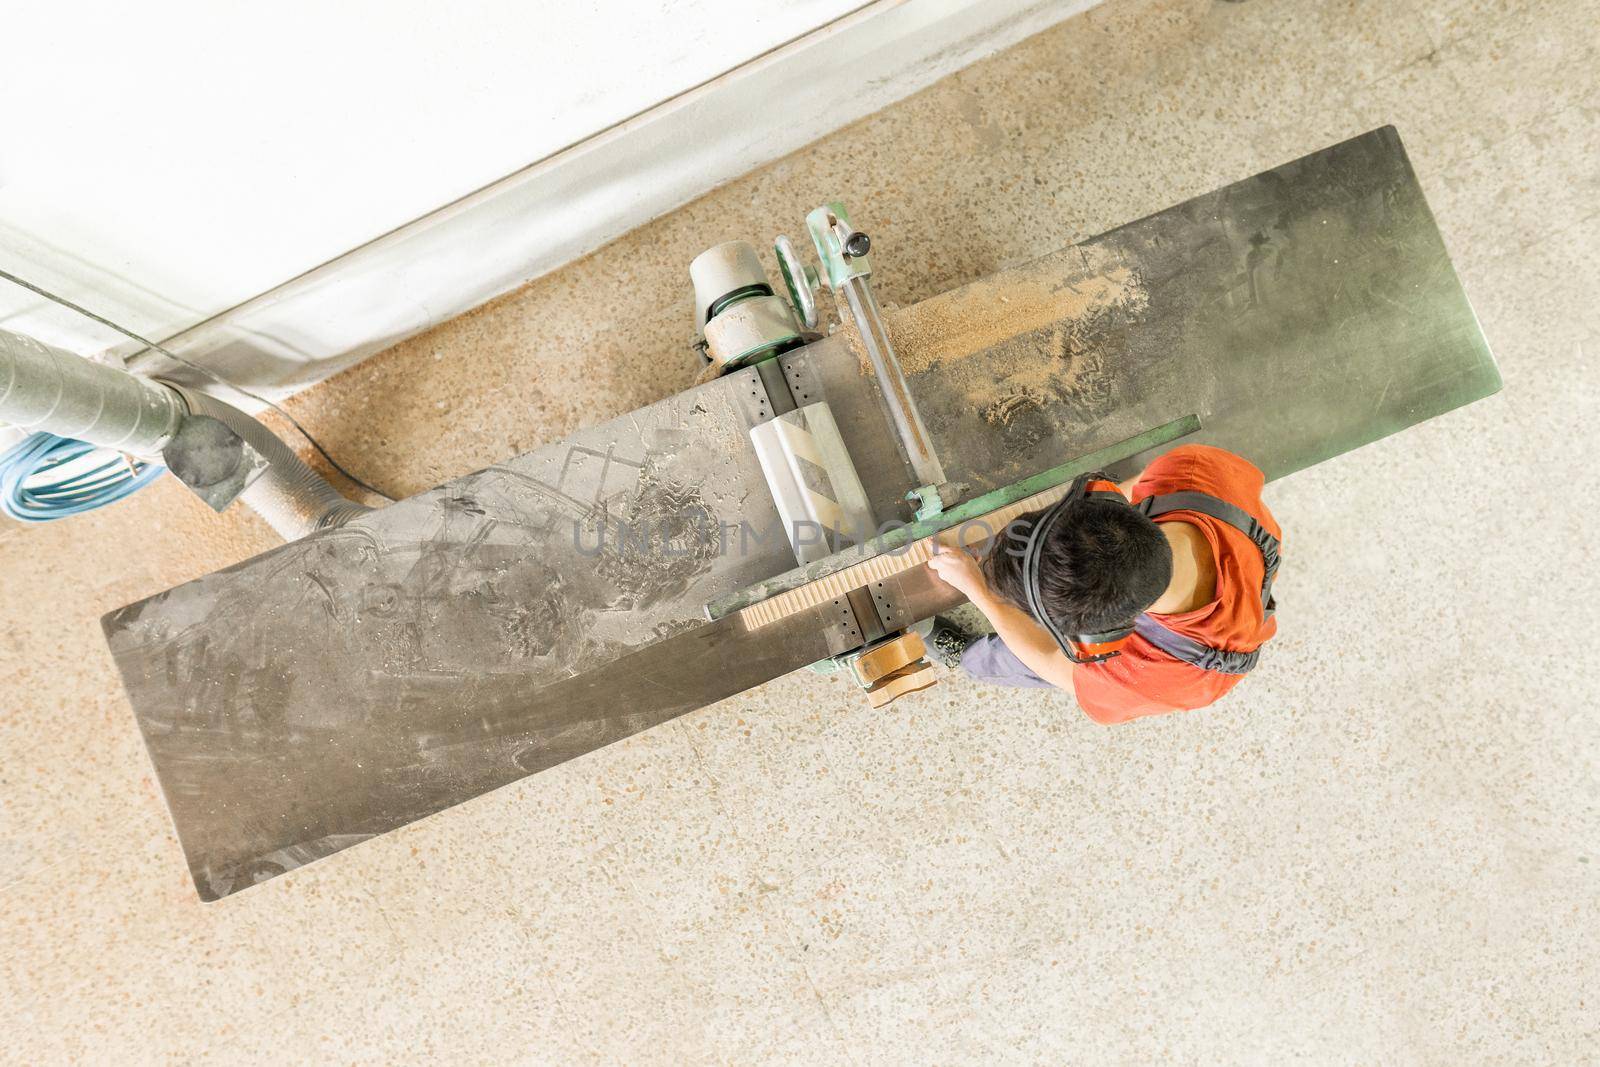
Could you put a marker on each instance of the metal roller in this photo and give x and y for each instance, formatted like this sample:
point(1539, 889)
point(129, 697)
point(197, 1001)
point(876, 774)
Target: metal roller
point(813, 482)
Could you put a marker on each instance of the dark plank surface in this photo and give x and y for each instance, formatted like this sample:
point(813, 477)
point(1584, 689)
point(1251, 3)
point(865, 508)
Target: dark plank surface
point(1300, 313)
point(363, 678)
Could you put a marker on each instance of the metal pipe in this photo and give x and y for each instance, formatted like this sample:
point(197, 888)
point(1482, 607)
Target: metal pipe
point(912, 435)
point(45, 388)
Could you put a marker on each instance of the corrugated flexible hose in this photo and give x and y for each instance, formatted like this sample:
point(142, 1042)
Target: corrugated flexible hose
point(294, 499)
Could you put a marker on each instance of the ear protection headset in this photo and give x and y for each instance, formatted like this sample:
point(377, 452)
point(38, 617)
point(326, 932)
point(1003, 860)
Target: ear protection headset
point(1079, 648)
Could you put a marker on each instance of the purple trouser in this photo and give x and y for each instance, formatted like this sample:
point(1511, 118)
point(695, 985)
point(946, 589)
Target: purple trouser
point(989, 660)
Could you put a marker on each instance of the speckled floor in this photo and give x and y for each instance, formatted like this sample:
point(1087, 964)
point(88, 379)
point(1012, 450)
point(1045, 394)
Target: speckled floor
point(1384, 847)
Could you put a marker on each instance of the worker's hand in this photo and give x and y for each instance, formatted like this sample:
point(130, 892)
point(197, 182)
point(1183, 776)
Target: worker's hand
point(959, 570)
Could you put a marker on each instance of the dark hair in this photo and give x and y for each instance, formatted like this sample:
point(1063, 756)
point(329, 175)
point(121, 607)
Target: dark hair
point(1102, 564)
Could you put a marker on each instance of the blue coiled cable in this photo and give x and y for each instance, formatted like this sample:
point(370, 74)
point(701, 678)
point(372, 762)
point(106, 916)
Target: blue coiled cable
point(26, 494)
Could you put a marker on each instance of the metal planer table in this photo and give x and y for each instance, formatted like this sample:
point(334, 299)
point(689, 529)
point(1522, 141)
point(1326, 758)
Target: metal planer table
point(367, 676)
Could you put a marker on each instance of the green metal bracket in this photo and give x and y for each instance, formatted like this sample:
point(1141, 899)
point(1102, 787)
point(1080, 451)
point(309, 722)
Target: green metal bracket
point(841, 664)
point(929, 502)
point(824, 224)
point(845, 663)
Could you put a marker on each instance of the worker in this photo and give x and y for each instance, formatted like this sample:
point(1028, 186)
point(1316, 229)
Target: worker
point(1142, 598)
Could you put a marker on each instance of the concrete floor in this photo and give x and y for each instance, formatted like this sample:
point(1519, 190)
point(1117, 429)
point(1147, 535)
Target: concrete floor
point(1384, 847)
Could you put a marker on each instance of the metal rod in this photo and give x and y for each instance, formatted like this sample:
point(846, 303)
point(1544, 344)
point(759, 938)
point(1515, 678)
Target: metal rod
point(908, 426)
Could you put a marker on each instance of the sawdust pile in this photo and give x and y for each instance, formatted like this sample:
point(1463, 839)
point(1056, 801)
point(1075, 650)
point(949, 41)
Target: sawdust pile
point(982, 315)
point(1026, 337)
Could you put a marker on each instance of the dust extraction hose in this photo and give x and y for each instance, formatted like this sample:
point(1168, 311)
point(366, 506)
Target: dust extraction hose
point(45, 388)
point(294, 499)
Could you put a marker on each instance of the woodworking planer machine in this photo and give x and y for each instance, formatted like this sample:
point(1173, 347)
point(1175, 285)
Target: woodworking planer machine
point(820, 500)
point(818, 494)
point(778, 513)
